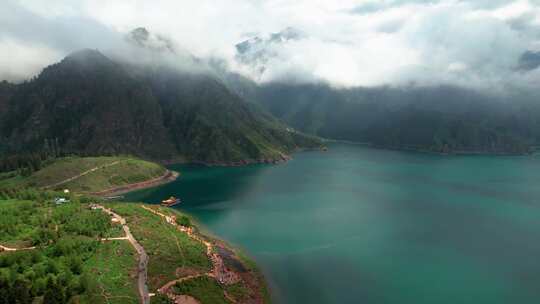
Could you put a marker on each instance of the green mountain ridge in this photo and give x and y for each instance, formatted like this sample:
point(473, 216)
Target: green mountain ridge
point(431, 117)
point(445, 119)
point(91, 105)
point(439, 119)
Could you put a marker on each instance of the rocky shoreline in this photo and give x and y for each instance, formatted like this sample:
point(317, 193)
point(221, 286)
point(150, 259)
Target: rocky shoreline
point(430, 151)
point(282, 158)
point(168, 177)
point(245, 162)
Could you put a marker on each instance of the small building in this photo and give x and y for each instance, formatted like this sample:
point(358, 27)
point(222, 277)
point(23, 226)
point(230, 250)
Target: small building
point(61, 200)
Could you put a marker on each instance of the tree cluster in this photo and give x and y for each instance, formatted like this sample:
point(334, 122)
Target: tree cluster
point(55, 274)
point(66, 236)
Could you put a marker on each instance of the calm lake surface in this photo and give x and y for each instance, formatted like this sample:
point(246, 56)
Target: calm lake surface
point(360, 225)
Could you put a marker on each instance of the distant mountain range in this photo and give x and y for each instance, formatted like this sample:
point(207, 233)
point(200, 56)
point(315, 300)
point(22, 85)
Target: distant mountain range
point(257, 52)
point(442, 118)
point(439, 119)
point(92, 104)
point(89, 104)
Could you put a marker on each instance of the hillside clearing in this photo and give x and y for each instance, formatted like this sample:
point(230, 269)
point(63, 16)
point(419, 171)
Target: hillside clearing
point(91, 174)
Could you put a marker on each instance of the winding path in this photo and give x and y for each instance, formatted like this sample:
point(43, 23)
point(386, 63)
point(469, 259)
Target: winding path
point(123, 238)
point(4, 248)
point(143, 257)
point(171, 220)
point(81, 175)
point(165, 288)
point(218, 270)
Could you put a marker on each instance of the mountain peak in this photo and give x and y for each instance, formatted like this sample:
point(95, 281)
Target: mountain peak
point(86, 54)
point(256, 52)
point(529, 61)
point(143, 38)
point(139, 35)
point(81, 62)
point(287, 34)
point(87, 60)
point(141, 32)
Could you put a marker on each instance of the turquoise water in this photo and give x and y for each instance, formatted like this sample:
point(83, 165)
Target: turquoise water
point(360, 225)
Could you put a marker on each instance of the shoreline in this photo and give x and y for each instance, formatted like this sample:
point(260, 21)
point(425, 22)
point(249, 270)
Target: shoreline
point(283, 158)
point(240, 163)
point(427, 151)
point(166, 178)
point(171, 176)
point(229, 264)
point(246, 162)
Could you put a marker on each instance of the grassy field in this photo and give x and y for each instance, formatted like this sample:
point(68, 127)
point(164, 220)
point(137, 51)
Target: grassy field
point(112, 274)
point(172, 253)
point(206, 290)
point(96, 174)
point(239, 292)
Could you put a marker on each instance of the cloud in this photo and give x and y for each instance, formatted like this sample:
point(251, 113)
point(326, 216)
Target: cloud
point(474, 43)
point(63, 32)
point(29, 41)
point(18, 61)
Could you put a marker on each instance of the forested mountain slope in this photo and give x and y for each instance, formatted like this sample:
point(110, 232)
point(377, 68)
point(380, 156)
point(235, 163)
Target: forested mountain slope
point(441, 119)
point(89, 104)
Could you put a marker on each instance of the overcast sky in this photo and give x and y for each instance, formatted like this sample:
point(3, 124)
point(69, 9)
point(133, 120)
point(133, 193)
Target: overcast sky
point(346, 43)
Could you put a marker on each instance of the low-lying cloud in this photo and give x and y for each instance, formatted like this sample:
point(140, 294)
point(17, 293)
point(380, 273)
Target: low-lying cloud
point(345, 43)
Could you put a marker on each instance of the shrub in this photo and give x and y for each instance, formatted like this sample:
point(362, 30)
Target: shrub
point(183, 221)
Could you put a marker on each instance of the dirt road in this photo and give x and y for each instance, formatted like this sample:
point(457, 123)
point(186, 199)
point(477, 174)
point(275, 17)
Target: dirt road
point(143, 257)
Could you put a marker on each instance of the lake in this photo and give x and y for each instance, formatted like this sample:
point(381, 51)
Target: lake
point(361, 225)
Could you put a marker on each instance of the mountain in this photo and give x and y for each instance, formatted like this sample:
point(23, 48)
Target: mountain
point(435, 118)
point(212, 123)
point(529, 60)
point(142, 38)
point(257, 51)
point(6, 91)
point(91, 105)
point(441, 119)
